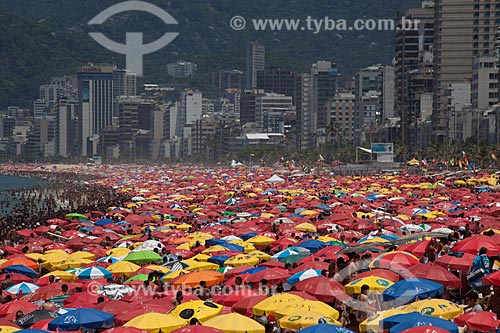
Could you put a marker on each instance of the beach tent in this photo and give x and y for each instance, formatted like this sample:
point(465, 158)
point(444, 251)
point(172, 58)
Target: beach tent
point(275, 179)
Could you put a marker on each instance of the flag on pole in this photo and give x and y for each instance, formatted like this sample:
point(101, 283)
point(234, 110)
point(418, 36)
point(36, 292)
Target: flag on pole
point(493, 157)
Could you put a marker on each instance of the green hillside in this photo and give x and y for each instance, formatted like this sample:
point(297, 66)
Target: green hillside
point(58, 41)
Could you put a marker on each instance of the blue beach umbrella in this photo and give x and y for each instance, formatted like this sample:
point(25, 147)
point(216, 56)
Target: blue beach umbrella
point(406, 291)
point(20, 269)
point(82, 319)
point(93, 273)
point(254, 270)
point(313, 245)
point(401, 322)
point(22, 288)
point(304, 275)
point(219, 260)
point(103, 222)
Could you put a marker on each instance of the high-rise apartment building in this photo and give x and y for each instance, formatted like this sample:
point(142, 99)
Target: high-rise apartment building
point(463, 29)
point(228, 79)
point(413, 68)
point(277, 80)
point(315, 93)
point(256, 60)
point(95, 105)
point(124, 83)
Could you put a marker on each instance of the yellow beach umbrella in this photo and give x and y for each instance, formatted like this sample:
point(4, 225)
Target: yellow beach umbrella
point(261, 240)
point(235, 323)
point(8, 329)
point(70, 263)
point(241, 260)
point(262, 256)
point(436, 307)
point(305, 319)
point(172, 275)
point(201, 235)
point(376, 284)
point(82, 255)
point(272, 304)
point(306, 227)
point(118, 252)
point(155, 322)
point(200, 310)
point(66, 276)
point(372, 323)
point(159, 268)
point(196, 266)
point(214, 248)
point(307, 305)
point(123, 268)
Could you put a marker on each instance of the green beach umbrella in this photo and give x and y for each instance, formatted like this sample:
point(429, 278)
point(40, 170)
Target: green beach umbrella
point(143, 257)
point(77, 216)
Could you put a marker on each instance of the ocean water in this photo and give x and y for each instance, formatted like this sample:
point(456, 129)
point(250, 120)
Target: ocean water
point(8, 183)
point(15, 182)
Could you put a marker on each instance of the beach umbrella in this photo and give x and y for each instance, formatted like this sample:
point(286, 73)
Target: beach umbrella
point(176, 266)
point(483, 321)
point(383, 273)
point(425, 329)
point(115, 291)
point(394, 260)
point(114, 307)
point(201, 310)
point(406, 291)
point(436, 308)
point(34, 317)
point(434, 273)
point(63, 275)
point(235, 323)
point(372, 323)
point(22, 288)
point(271, 304)
point(272, 275)
point(493, 278)
point(291, 255)
point(20, 269)
point(93, 273)
point(123, 329)
point(456, 262)
point(472, 245)
point(401, 322)
point(376, 284)
point(118, 252)
point(316, 265)
point(193, 279)
point(76, 216)
point(8, 329)
point(10, 308)
point(313, 245)
point(242, 260)
point(307, 305)
point(325, 328)
point(245, 305)
point(32, 330)
point(196, 329)
point(235, 296)
point(82, 319)
point(321, 287)
point(123, 268)
point(143, 257)
point(305, 319)
point(304, 275)
point(154, 322)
